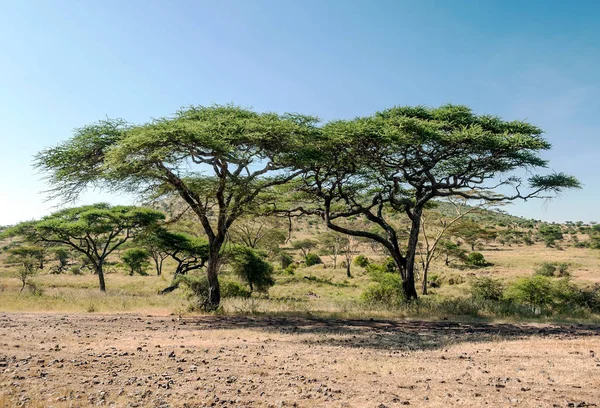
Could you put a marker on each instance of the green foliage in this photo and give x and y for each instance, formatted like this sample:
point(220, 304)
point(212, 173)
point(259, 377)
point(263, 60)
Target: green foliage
point(61, 255)
point(136, 259)
point(434, 281)
point(450, 250)
point(285, 259)
point(562, 296)
point(27, 254)
point(551, 269)
point(386, 291)
point(476, 259)
point(313, 259)
point(485, 288)
point(93, 230)
point(189, 252)
point(291, 268)
point(550, 233)
point(536, 291)
point(252, 267)
point(305, 245)
point(362, 261)
point(232, 289)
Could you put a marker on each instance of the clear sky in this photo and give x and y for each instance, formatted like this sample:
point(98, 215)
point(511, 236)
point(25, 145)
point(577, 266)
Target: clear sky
point(67, 63)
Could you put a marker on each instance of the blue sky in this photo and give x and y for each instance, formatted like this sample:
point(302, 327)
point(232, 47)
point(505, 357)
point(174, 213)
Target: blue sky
point(64, 64)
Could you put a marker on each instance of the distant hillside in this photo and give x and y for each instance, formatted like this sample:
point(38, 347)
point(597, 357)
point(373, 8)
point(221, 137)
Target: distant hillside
point(486, 216)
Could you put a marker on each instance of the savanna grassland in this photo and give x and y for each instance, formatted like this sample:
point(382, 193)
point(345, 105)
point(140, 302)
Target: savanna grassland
point(313, 340)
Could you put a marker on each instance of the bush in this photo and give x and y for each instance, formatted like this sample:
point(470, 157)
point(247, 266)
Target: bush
point(198, 288)
point(434, 281)
point(313, 259)
point(252, 267)
point(387, 291)
point(487, 289)
point(290, 269)
point(537, 291)
point(455, 280)
point(476, 259)
point(362, 261)
point(285, 259)
point(546, 269)
point(232, 289)
point(550, 269)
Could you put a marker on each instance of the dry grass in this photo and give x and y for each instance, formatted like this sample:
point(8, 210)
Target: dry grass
point(317, 290)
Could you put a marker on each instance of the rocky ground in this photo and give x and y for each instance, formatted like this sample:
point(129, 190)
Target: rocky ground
point(81, 360)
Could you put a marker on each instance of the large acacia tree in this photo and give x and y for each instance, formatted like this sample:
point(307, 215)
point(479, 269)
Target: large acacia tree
point(219, 160)
point(396, 161)
point(95, 231)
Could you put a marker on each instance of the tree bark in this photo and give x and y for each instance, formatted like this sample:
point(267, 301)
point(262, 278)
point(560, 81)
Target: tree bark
point(408, 281)
point(212, 271)
point(100, 273)
point(424, 288)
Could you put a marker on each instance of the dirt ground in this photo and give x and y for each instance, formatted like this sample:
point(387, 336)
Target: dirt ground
point(81, 360)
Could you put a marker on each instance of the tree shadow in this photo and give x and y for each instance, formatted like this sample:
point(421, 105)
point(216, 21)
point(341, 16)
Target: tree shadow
point(389, 334)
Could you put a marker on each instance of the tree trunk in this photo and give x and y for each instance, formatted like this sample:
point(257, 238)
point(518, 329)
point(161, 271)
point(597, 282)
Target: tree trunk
point(408, 281)
point(425, 270)
point(100, 273)
point(212, 270)
point(158, 264)
point(348, 274)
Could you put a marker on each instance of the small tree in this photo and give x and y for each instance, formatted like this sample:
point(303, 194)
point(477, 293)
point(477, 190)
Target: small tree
point(136, 259)
point(190, 253)
point(28, 259)
point(305, 245)
point(428, 251)
point(550, 233)
point(333, 244)
point(252, 267)
point(349, 249)
point(96, 230)
point(258, 233)
point(449, 250)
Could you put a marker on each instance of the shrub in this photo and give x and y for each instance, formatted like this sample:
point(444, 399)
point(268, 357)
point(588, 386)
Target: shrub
point(434, 281)
point(362, 261)
point(476, 259)
point(550, 269)
point(546, 269)
point(290, 269)
point(232, 289)
point(455, 280)
point(387, 291)
point(313, 259)
point(285, 259)
point(252, 267)
point(487, 289)
point(537, 291)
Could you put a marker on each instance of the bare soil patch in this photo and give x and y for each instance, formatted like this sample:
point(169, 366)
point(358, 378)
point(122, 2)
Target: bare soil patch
point(81, 360)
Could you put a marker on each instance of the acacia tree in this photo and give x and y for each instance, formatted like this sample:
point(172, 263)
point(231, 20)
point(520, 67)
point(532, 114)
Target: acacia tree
point(95, 231)
point(258, 233)
point(399, 159)
point(333, 243)
point(219, 160)
point(305, 245)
